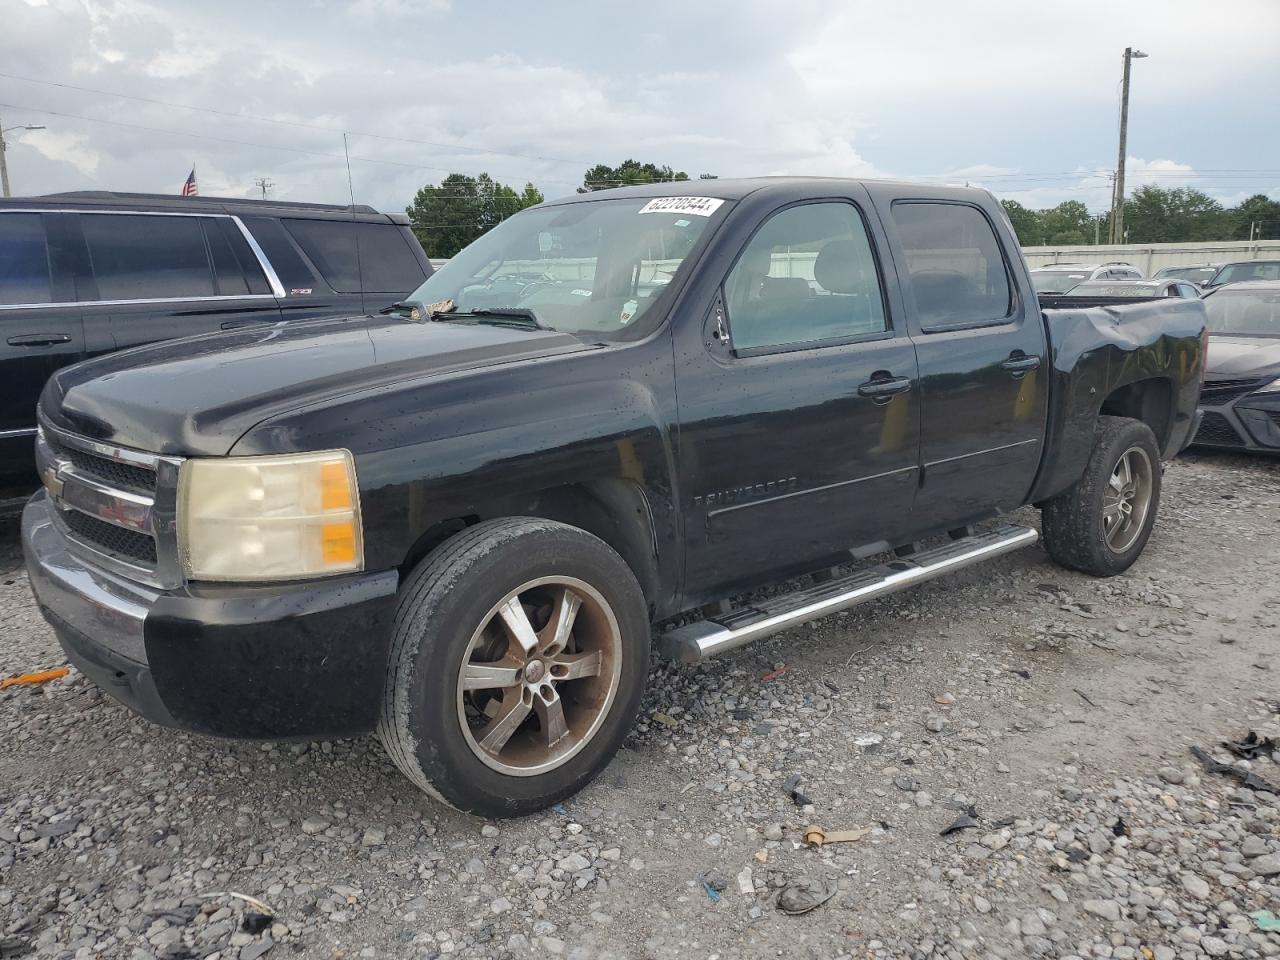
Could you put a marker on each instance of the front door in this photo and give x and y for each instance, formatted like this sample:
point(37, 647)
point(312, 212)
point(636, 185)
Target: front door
point(980, 343)
point(798, 421)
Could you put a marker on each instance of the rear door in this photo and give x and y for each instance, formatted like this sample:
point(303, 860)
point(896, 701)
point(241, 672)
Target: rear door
point(981, 347)
point(157, 276)
point(40, 326)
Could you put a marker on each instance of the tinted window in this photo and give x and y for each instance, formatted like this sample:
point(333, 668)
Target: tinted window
point(147, 257)
point(1238, 272)
point(388, 264)
point(957, 271)
point(807, 275)
point(24, 259)
point(235, 269)
point(295, 276)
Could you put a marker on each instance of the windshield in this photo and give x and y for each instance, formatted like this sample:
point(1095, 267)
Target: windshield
point(1098, 289)
point(1253, 312)
point(1057, 281)
point(1194, 274)
point(594, 267)
point(1255, 270)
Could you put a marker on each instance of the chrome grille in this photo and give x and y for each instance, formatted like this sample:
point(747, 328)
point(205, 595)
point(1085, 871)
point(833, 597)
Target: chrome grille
point(111, 472)
point(128, 545)
point(116, 506)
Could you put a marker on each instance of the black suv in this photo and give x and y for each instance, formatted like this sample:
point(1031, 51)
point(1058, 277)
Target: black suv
point(87, 273)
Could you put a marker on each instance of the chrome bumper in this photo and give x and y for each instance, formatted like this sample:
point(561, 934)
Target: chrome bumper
point(104, 610)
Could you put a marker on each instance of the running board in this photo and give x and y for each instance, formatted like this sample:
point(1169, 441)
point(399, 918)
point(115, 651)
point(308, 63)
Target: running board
point(706, 638)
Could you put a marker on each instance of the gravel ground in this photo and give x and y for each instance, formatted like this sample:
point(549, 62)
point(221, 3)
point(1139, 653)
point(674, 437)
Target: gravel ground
point(1056, 710)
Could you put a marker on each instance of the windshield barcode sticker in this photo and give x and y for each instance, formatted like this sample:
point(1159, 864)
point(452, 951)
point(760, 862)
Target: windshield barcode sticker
point(697, 206)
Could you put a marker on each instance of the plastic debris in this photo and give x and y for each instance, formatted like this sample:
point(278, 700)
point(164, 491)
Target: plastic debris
point(1266, 921)
point(1246, 777)
point(966, 821)
point(1024, 674)
point(1252, 746)
point(807, 895)
point(35, 679)
point(711, 891)
point(816, 836)
point(560, 809)
point(251, 901)
point(868, 740)
point(1120, 828)
point(774, 674)
point(667, 721)
point(945, 699)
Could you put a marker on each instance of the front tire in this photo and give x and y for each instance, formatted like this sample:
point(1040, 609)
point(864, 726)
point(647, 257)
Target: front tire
point(1101, 524)
point(519, 655)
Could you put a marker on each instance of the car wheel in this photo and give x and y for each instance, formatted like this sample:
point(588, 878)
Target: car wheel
point(519, 655)
point(1101, 524)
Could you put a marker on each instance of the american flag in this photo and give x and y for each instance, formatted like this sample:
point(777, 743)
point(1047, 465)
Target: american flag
point(189, 189)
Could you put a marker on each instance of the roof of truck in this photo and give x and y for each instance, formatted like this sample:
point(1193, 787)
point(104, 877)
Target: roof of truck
point(738, 188)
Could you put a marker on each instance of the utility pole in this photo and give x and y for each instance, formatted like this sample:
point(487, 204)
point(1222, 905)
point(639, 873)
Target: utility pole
point(4, 167)
point(1117, 199)
point(264, 184)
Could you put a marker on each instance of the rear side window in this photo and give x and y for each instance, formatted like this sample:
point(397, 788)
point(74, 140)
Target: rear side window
point(807, 276)
point(294, 274)
point(235, 269)
point(147, 257)
point(24, 259)
point(388, 264)
point(957, 272)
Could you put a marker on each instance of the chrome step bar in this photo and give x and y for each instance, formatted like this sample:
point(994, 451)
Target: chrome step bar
point(706, 638)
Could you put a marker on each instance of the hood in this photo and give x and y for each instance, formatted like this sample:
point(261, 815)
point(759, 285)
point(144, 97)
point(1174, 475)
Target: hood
point(1242, 357)
point(197, 396)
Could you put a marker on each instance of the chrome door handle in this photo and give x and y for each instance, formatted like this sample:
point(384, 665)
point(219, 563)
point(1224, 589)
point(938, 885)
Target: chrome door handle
point(38, 339)
point(884, 389)
point(1021, 364)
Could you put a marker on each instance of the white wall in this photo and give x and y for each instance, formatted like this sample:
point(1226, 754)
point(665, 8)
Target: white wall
point(1150, 257)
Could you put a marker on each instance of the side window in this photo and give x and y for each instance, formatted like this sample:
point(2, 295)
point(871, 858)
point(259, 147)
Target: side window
point(24, 259)
point(295, 276)
point(388, 264)
point(807, 276)
point(235, 269)
point(957, 271)
point(387, 260)
point(147, 257)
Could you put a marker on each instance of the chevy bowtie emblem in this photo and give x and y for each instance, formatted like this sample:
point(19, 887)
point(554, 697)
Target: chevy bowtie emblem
point(53, 482)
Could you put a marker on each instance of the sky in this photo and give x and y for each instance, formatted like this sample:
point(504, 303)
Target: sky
point(1019, 97)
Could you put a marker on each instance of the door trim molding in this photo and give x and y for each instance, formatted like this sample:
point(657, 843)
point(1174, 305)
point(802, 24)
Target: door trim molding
point(979, 453)
point(800, 493)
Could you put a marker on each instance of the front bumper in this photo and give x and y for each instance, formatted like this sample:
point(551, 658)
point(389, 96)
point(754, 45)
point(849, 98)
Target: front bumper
point(271, 661)
point(1250, 423)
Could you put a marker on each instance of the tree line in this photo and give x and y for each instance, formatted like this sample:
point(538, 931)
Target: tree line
point(1151, 215)
point(451, 214)
point(447, 216)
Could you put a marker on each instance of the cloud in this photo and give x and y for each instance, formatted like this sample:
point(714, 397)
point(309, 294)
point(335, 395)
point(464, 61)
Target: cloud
point(63, 147)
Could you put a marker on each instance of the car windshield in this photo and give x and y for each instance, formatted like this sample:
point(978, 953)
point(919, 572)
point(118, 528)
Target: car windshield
point(1057, 281)
point(1099, 289)
point(595, 267)
point(1194, 274)
point(1252, 312)
point(1251, 270)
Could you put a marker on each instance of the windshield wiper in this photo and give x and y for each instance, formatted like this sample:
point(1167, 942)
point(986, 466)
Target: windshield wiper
point(396, 307)
point(522, 317)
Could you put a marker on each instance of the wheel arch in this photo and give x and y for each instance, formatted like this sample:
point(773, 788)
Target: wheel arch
point(615, 510)
point(1151, 401)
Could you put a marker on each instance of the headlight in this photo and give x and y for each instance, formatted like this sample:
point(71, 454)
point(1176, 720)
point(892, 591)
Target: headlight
point(269, 518)
point(1272, 387)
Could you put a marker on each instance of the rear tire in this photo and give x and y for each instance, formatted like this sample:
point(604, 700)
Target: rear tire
point(1101, 524)
point(519, 655)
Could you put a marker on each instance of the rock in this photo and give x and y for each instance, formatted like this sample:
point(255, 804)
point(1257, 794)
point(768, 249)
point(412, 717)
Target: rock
point(490, 831)
point(1267, 866)
point(981, 904)
point(773, 831)
point(1196, 886)
point(1171, 775)
point(373, 837)
point(501, 905)
point(255, 950)
point(1106, 909)
point(573, 863)
point(314, 825)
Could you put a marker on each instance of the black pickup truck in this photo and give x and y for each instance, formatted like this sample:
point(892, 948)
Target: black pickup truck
point(458, 523)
